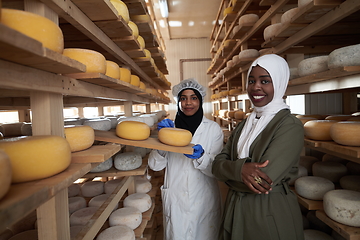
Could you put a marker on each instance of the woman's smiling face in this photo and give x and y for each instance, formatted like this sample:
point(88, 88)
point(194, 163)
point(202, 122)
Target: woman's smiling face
point(189, 102)
point(260, 87)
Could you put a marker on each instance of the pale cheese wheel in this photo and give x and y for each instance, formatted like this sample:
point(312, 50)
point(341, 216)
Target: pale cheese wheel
point(271, 31)
point(329, 170)
point(127, 161)
point(26, 129)
point(72, 121)
point(142, 151)
point(31, 234)
point(346, 133)
point(230, 63)
point(312, 234)
point(248, 53)
point(294, 73)
point(104, 166)
point(350, 182)
point(35, 26)
point(127, 216)
point(11, 129)
point(175, 136)
point(74, 190)
point(287, 16)
point(313, 65)
point(125, 75)
point(79, 137)
point(102, 124)
point(318, 129)
point(95, 62)
point(112, 69)
point(133, 130)
point(98, 200)
point(312, 187)
point(5, 173)
point(345, 56)
point(134, 29)
point(141, 41)
point(135, 80)
point(82, 216)
point(343, 206)
point(117, 233)
point(92, 188)
point(141, 201)
point(36, 157)
point(111, 185)
point(76, 203)
point(248, 19)
point(302, 172)
point(142, 186)
point(121, 9)
point(307, 162)
point(113, 121)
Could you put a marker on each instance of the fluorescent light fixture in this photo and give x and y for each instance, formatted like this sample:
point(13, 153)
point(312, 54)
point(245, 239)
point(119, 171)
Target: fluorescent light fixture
point(175, 23)
point(164, 10)
point(191, 23)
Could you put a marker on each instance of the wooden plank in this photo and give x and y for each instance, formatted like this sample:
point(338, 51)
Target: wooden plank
point(311, 143)
point(96, 153)
point(242, 30)
point(97, 9)
point(127, 43)
point(341, 149)
point(152, 143)
point(115, 29)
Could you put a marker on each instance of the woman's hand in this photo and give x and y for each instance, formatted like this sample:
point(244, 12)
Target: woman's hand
point(255, 179)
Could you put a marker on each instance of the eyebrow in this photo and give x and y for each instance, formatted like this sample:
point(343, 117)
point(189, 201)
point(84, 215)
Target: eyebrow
point(261, 76)
point(187, 95)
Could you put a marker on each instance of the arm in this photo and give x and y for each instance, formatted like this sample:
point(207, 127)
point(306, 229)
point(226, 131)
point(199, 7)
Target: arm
point(157, 160)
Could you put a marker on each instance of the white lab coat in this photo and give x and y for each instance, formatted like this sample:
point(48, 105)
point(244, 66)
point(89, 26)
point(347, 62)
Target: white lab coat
point(190, 194)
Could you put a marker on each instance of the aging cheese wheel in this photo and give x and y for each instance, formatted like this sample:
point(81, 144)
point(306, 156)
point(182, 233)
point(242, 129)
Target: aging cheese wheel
point(141, 201)
point(127, 216)
point(286, 17)
point(350, 182)
point(248, 19)
point(35, 26)
point(316, 116)
point(306, 119)
point(175, 136)
point(122, 9)
point(307, 162)
point(111, 185)
point(79, 137)
point(5, 173)
point(239, 115)
point(113, 121)
point(112, 69)
point(125, 75)
point(318, 129)
point(142, 186)
point(345, 56)
point(302, 172)
point(312, 234)
point(76, 203)
point(248, 53)
point(329, 170)
point(117, 233)
point(340, 117)
point(74, 190)
point(346, 133)
point(133, 130)
point(135, 80)
point(313, 65)
point(92, 188)
point(36, 157)
point(343, 206)
point(104, 166)
point(11, 129)
point(98, 200)
point(142, 85)
point(331, 158)
point(142, 151)
point(312, 187)
point(99, 124)
point(134, 29)
point(127, 161)
point(141, 41)
point(271, 30)
point(95, 62)
point(82, 216)
point(234, 92)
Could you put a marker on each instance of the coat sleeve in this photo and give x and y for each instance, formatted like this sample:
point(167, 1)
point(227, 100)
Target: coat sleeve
point(157, 160)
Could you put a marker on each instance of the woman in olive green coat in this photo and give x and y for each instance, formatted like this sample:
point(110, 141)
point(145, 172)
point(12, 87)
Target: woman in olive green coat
point(259, 159)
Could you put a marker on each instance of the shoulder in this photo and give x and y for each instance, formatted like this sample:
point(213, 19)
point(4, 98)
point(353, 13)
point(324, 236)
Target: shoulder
point(210, 124)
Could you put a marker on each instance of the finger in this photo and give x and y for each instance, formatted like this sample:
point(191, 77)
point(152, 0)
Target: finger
point(251, 187)
point(264, 164)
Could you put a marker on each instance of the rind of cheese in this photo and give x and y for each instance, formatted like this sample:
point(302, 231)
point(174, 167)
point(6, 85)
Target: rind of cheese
point(307, 162)
point(92, 188)
point(127, 216)
point(104, 166)
point(248, 19)
point(286, 17)
point(271, 30)
point(36, 157)
point(5, 173)
point(141, 41)
point(125, 75)
point(345, 56)
point(312, 187)
point(102, 124)
point(79, 137)
point(134, 29)
point(142, 186)
point(329, 170)
point(302, 172)
point(111, 185)
point(127, 161)
point(318, 129)
point(234, 92)
point(316, 116)
point(35, 26)
point(82, 216)
point(175, 136)
point(239, 115)
point(98, 200)
point(346, 133)
point(95, 62)
point(74, 190)
point(350, 182)
point(142, 85)
point(313, 65)
point(135, 80)
point(122, 9)
point(133, 130)
point(112, 69)
point(141, 201)
point(248, 53)
point(76, 203)
point(117, 233)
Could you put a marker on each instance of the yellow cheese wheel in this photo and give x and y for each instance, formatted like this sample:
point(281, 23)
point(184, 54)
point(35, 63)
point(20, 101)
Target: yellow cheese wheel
point(318, 129)
point(142, 85)
point(5, 173)
point(35, 26)
point(95, 62)
point(134, 29)
point(230, 114)
point(79, 137)
point(234, 92)
point(227, 11)
point(133, 130)
point(36, 157)
point(175, 136)
point(239, 115)
point(141, 41)
point(135, 80)
point(125, 75)
point(122, 9)
point(338, 117)
point(346, 133)
point(112, 69)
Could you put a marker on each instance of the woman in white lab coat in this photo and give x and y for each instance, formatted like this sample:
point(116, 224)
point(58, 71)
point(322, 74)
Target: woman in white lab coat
point(190, 194)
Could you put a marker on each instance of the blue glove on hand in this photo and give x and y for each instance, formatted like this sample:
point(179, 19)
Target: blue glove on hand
point(165, 123)
point(198, 152)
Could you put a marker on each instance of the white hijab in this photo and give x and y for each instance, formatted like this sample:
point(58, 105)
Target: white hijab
point(279, 72)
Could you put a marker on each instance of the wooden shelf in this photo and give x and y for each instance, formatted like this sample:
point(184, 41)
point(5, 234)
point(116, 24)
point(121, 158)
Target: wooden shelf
point(97, 10)
point(95, 154)
point(113, 172)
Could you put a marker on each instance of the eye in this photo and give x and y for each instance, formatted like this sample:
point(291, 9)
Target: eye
point(266, 81)
point(194, 98)
point(182, 98)
point(250, 81)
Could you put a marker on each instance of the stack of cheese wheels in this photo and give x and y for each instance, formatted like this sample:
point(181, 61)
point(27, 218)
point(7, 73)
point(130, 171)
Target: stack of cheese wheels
point(350, 182)
point(307, 162)
point(175, 136)
point(36, 157)
point(122, 9)
point(76, 203)
point(79, 137)
point(345, 56)
point(104, 166)
point(127, 216)
point(11, 129)
point(343, 206)
point(112, 69)
point(102, 124)
point(271, 30)
point(5, 173)
point(313, 65)
point(346, 133)
point(127, 161)
point(312, 187)
point(133, 130)
point(141, 201)
point(94, 61)
point(318, 129)
point(82, 216)
point(117, 233)
point(35, 26)
point(125, 75)
point(329, 170)
point(92, 188)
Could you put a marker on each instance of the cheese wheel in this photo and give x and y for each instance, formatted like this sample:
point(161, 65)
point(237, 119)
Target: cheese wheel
point(142, 85)
point(102, 124)
point(142, 186)
point(122, 9)
point(141, 201)
point(95, 62)
point(248, 19)
point(135, 80)
point(111, 185)
point(127, 161)
point(31, 234)
point(76, 203)
point(82, 216)
point(72, 121)
point(104, 166)
point(313, 65)
point(312, 187)
point(231, 114)
point(341, 117)
point(234, 92)
point(271, 31)
point(318, 129)
point(346, 133)
point(306, 119)
point(230, 63)
point(331, 158)
point(175, 136)
point(26, 129)
point(92, 188)
point(125, 75)
point(343, 206)
point(36, 157)
point(316, 116)
point(127, 216)
point(286, 17)
point(329, 170)
point(294, 73)
point(239, 115)
point(113, 121)
point(117, 233)
point(79, 137)
point(142, 151)
point(350, 182)
point(345, 56)
point(248, 53)
point(312, 234)
point(98, 200)
point(134, 29)
point(5, 173)
point(11, 129)
point(307, 162)
point(141, 41)
point(74, 190)
point(112, 69)
point(301, 172)
point(35, 26)
point(227, 11)
point(133, 130)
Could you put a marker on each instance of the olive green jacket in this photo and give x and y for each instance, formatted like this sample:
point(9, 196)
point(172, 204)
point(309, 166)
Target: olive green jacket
point(273, 216)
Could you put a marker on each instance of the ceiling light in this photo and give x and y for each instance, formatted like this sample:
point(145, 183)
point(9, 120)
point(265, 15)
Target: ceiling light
point(164, 11)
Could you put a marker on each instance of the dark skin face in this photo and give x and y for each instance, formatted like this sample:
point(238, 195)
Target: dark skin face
point(260, 87)
point(189, 102)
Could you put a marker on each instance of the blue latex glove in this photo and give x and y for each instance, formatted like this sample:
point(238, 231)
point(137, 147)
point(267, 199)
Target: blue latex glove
point(198, 152)
point(165, 123)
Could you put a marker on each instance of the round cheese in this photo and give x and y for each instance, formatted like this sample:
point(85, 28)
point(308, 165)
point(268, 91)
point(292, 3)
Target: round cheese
point(97, 201)
point(142, 186)
point(248, 19)
point(227, 11)
point(142, 85)
point(307, 162)
point(294, 73)
point(133, 130)
point(313, 65)
point(340, 117)
point(141, 201)
point(79, 137)
point(95, 62)
point(239, 115)
point(11, 129)
point(102, 124)
point(234, 92)
point(346, 133)
point(312, 187)
point(175, 136)
point(235, 59)
point(104, 166)
point(35, 26)
point(248, 53)
point(5, 173)
point(112, 69)
point(82, 216)
point(302, 172)
point(329, 170)
point(141, 41)
point(111, 185)
point(331, 158)
point(318, 129)
point(113, 121)
point(286, 17)
point(76, 203)
point(142, 151)
point(72, 121)
point(230, 63)
point(350, 182)
point(92, 188)
point(312, 234)
point(31, 234)
point(316, 116)
point(271, 30)
point(134, 29)
point(26, 129)
point(127, 161)
point(74, 190)
point(306, 119)
point(343, 206)
point(122, 9)
point(230, 114)
point(127, 216)
point(125, 75)
point(36, 157)
point(117, 233)
point(345, 56)
point(135, 80)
